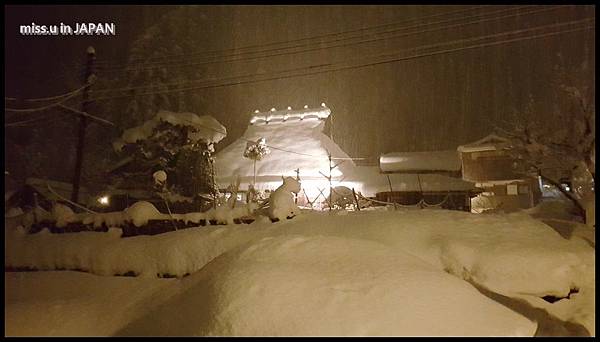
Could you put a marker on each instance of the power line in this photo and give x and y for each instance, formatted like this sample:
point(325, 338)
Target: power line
point(75, 111)
point(50, 97)
point(369, 64)
point(44, 119)
point(52, 105)
point(318, 66)
point(170, 56)
point(317, 48)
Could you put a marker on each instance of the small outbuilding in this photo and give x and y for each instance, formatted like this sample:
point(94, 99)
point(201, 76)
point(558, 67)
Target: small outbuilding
point(488, 163)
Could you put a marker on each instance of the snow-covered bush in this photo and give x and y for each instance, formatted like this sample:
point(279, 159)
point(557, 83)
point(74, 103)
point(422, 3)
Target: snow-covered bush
point(62, 214)
point(256, 151)
point(177, 144)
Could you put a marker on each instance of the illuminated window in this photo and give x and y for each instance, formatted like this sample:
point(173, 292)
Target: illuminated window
point(512, 189)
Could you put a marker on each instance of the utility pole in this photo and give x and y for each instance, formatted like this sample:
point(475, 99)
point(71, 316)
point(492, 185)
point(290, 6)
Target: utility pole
point(83, 122)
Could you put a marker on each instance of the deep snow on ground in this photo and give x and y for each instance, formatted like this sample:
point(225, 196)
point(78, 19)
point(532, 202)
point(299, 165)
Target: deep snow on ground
point(358, 273)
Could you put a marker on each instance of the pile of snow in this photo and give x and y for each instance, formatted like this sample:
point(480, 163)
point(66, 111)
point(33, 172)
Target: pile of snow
point(281, 201)
point(207, 128)
point(513, 255)
point(62, 214)
point(327, 286)
point(141, 212)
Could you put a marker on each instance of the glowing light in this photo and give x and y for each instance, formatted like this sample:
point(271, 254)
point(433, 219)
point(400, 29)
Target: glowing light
point(302, 117)
point(256, 111)
point(253, 120)
point(323, 104)
point(285, 117)
point(103, 200)
point(305, 106)
point(272, 109)
point(289, 108)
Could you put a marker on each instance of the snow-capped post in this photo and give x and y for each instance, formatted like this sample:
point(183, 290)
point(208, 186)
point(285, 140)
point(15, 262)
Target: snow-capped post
point(88, 79)
point(256, 151)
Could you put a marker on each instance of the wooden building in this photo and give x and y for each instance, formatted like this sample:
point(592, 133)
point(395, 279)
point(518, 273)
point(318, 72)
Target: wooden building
point(488, 164)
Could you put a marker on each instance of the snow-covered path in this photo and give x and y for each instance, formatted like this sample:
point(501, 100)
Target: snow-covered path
point(362, 273)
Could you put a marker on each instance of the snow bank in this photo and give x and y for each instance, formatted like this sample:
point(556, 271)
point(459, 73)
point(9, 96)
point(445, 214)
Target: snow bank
point(513, 255)
point(324, 286)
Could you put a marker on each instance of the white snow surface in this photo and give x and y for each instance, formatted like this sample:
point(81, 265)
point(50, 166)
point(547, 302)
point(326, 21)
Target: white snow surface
point(362, 273)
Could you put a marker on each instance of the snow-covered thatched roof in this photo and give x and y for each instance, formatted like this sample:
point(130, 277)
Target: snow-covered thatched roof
point(420, 162)
point(296, 141)
point(491, 142)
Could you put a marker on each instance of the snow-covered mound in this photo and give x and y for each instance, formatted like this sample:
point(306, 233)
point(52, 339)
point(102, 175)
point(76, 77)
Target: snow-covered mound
point(307, 286)
point(513, 255)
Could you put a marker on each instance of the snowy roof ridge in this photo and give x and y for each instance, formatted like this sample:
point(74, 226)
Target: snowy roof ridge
point(275, 116)
point(487, 143)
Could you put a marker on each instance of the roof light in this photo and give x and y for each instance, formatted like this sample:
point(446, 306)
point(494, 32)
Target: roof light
point(323, 104)
point(289, 108)
point(305, 106)
point(256, 111)
point(272, 109)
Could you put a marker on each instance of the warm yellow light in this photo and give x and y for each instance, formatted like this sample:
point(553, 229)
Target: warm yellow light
point(103, 200)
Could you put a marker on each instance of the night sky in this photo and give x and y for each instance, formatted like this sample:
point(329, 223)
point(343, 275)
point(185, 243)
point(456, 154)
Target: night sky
point(417, 77)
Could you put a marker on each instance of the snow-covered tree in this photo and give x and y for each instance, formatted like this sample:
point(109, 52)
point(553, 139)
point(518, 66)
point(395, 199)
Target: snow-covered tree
point(256, 151)
point(178, 144)
point(561, 151)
